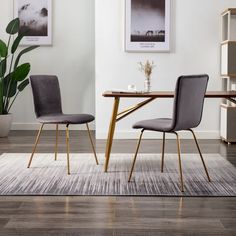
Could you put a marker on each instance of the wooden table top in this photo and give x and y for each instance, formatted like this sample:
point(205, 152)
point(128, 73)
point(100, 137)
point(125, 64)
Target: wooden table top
point(167, 94)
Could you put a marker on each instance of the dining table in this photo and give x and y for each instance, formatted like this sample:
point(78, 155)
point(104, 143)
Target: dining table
point(147, 97)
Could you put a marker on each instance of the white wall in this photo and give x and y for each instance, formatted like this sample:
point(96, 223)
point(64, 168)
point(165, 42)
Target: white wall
point(195, 49)
point(71, 58)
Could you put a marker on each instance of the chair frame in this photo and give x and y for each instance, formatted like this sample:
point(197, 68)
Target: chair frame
point(163, 154)
point(56, 144)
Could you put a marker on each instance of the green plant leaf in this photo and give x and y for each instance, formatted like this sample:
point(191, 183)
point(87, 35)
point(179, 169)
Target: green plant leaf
point(16, 43)
point(23, 84)
point(13, 27)
point(1, 97)
point(21, 72)
point(22, 53)
point(3, 67)
point(3, 49)
point(7, 81)
point(12, 90)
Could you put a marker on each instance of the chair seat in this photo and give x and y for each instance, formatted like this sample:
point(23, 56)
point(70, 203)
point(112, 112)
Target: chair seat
point(160, 124)
point(66, 119)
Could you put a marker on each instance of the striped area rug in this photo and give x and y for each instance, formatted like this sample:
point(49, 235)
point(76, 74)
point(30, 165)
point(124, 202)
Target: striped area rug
point(49, 177)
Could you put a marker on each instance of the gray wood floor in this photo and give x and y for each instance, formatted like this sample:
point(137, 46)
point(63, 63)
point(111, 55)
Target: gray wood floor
point(115, 215)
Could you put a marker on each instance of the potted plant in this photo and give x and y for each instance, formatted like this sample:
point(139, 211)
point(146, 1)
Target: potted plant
point(13, 75)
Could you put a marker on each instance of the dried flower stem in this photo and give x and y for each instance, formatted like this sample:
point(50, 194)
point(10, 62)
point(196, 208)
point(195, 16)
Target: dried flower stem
point(147, 68)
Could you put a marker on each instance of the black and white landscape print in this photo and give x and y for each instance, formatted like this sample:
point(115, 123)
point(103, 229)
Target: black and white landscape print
point(147, 24)
point(148, 20)
point(35, 19)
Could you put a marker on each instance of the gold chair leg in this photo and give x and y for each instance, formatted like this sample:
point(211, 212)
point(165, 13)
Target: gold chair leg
point(135, 156)
point(163, 152)
point(35, 145)
point(68, 149)
point(90, 137)
point(200, 153)
point(180, 165)
point(56, 145)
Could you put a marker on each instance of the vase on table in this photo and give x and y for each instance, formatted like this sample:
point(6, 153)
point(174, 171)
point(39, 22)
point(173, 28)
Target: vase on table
point(147, 85)
point(147, 68)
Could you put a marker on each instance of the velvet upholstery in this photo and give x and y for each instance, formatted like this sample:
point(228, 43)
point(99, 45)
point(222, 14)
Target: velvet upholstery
point(47, 102)
point(188, 106)
point(66, 119)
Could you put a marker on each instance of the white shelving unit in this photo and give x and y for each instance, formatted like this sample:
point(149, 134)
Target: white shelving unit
point(228, 73)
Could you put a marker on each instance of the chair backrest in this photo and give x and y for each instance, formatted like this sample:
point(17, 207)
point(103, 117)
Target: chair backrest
point(46, 94)
point(189, 99)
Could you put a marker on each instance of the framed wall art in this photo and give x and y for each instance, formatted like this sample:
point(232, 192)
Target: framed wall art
point(35, 21)
point(147, 25)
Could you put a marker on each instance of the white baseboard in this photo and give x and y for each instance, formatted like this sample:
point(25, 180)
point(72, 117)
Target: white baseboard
point(35, 126)
point(157, 135)
point(132, 134)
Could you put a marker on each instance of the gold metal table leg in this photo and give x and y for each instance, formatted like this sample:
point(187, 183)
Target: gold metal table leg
point(130, 110)
point(35, 145)
point(117, 117)
point(56, 145)
point(135, 156)
point(111, 131)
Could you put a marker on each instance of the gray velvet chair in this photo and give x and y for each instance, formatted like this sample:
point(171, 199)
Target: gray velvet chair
point(187, 114)
point(48, 110)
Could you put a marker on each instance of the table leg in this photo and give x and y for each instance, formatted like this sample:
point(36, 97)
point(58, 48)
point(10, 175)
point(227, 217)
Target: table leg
point(111, 131)
point(232, 100)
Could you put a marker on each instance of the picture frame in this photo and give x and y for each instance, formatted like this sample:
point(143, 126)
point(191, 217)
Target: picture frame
point(147, 25)
point(35, 21)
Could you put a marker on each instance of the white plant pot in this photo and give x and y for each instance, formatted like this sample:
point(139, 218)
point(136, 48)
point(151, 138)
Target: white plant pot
point(5, 125)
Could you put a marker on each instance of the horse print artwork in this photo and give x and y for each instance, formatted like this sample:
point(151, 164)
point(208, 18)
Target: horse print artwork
point(149, 33)
point(148, 17)
point(147, 25)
